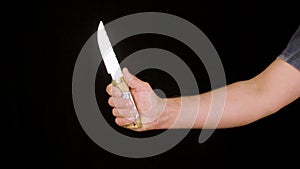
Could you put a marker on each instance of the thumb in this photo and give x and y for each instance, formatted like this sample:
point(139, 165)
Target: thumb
point(131, 80)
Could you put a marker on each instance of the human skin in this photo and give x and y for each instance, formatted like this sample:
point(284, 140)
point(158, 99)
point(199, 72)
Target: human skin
point(246, 101)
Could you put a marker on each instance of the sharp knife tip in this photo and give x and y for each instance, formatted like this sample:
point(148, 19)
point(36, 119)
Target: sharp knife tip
point(101, 26)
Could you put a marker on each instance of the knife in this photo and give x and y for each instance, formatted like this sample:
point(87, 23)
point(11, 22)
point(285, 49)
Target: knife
point(113, 68)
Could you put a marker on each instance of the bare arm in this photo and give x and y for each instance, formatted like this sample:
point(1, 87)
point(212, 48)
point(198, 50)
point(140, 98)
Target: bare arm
point(246, 101)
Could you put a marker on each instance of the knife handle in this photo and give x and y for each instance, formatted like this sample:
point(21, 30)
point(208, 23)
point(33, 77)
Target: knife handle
point(122, 85)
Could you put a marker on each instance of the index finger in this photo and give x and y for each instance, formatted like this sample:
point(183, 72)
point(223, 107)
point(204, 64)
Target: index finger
point(113, 91)
point(109, 89)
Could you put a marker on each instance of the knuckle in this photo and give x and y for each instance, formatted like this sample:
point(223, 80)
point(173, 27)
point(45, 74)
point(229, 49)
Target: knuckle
point(117, 121)
point(114, 112)
point(110, 101)
point(146, 84)
point(108, 89)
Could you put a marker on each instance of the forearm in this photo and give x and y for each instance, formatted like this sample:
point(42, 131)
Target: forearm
point(246, 101)
point(241, 106)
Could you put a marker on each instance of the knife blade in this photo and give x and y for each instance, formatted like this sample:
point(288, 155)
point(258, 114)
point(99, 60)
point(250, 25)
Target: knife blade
point(113, 68)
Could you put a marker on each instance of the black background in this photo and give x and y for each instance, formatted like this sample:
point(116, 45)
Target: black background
point(43, 131)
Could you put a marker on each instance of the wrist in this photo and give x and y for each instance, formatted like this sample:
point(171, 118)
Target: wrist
point(168, 115)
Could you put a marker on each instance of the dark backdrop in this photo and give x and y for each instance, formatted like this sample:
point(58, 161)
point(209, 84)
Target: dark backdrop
point(43, 131)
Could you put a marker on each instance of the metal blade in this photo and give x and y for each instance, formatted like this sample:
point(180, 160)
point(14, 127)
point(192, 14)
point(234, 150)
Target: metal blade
point(109, 57)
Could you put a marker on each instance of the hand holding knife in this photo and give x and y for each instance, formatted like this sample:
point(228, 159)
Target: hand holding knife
point(113, 68)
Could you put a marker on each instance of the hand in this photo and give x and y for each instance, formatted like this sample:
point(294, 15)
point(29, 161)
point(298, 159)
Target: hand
point(149, 105)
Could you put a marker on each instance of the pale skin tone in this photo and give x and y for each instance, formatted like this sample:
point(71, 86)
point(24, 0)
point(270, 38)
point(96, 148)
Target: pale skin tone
point(246, 101)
